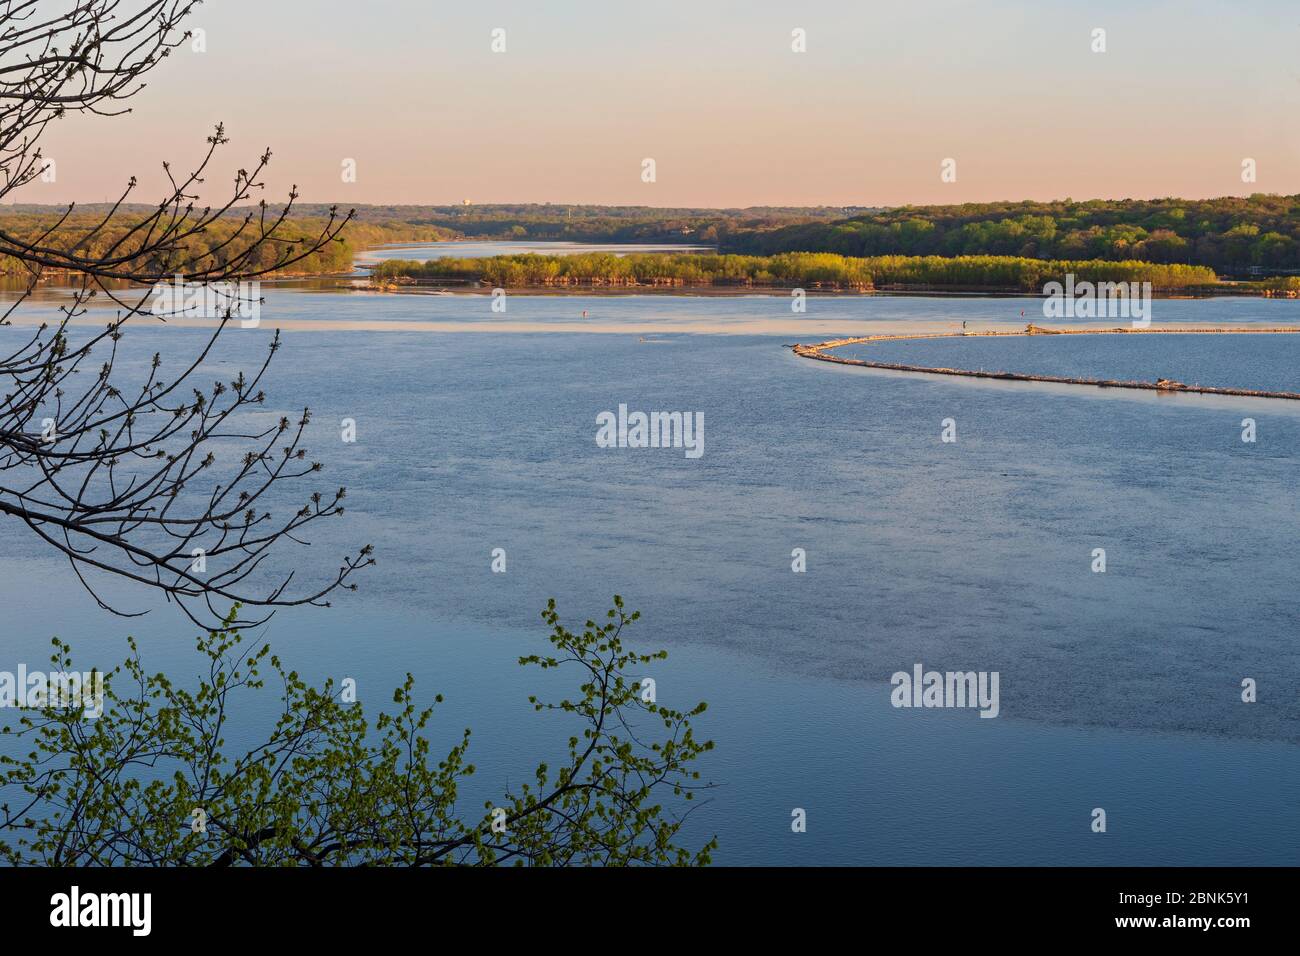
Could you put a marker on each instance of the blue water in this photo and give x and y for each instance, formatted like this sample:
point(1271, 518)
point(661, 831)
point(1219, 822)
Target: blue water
point(1118, 690)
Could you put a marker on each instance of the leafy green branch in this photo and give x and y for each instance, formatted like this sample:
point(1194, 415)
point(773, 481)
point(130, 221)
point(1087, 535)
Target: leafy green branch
point(151, 782)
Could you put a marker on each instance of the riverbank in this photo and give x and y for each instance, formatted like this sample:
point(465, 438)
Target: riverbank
point(428, 287)
point(606, 271)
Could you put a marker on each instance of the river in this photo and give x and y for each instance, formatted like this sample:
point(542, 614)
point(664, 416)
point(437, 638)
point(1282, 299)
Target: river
point(1118, 689)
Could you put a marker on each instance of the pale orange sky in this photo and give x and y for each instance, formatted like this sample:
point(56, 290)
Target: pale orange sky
point(714, 94)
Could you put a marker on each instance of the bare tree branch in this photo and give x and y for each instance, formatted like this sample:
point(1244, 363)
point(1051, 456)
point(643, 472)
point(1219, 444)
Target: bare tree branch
point(123, 477)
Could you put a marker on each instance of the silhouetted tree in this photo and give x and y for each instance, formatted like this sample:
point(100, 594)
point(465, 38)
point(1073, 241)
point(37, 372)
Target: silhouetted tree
point(121, 476)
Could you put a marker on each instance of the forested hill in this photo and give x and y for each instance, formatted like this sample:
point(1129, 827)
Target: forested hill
point(583, 223)
point(219, 243)
point(518, 221)
point(1229, 234)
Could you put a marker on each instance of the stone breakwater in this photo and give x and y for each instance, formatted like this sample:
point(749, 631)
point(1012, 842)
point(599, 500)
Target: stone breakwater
point(821, 352)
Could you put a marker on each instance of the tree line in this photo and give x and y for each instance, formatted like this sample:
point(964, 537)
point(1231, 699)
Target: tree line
point(216, 245)
point(1228, 234)
point(585, 223)
point(795, 269)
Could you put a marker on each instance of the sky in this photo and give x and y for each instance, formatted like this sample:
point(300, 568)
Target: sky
point(586, 90)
